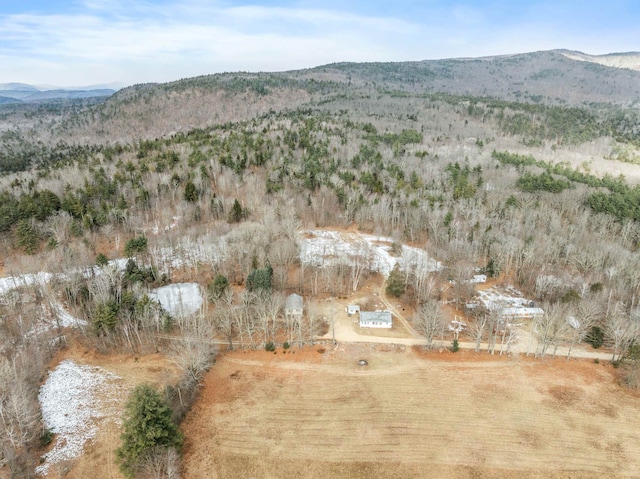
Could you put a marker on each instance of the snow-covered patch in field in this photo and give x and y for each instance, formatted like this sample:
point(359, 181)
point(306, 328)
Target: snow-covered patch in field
point(327, 247)
point(65, 319)
point(180, 299)
point(74, 400)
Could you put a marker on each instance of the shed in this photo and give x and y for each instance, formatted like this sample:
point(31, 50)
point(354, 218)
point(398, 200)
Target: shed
point(293, 306)
point(376, 319)
point(353, 309)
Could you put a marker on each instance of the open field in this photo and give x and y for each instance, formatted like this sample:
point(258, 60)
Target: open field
point(410, 414)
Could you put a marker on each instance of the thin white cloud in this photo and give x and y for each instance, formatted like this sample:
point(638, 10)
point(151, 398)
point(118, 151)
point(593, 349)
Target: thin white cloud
point(195, 37)
point(141, 41)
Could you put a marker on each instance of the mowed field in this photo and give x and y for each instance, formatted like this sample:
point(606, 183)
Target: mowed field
point(409, 414)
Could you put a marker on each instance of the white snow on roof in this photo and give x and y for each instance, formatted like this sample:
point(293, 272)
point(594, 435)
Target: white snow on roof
point(74, 400)
point(327, 247)
point(179, 299)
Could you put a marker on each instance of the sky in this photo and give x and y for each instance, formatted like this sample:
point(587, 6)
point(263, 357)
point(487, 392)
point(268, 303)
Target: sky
point(94, 42)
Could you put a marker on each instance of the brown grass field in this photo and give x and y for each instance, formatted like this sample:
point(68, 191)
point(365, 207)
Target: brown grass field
point(409, 414)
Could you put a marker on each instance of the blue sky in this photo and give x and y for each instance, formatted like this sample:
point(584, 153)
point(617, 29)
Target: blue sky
point(86, 42)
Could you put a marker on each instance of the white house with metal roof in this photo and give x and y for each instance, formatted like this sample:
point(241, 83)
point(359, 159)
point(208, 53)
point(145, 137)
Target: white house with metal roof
point(376, 319)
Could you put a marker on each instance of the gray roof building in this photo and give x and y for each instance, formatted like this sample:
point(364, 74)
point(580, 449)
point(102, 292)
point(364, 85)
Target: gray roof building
point(293, 305)
point(376, 319)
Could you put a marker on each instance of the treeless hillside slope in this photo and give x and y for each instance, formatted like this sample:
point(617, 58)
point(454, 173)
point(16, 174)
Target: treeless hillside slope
point(629, 60)
point(406, 415)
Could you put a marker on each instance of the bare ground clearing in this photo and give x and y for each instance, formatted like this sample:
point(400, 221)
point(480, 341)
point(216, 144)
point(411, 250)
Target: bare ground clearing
point(410, 414)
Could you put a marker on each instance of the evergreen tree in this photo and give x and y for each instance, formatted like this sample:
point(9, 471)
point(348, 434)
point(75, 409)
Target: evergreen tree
point(105, 317)
point(135, 245)
point(259, 280)
point(147, 424)
point(102, 260)
point(190, 192)
point(26, 236)
point(236, 215)
point(395, 283)
point(218, 287)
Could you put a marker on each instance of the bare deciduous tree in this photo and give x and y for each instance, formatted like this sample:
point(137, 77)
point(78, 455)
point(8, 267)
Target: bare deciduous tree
point(477, 329)
point(430, 321)
point(585, 315)
point(622, 330)
point(283, 252)
point(550, 328)
point(160, 463)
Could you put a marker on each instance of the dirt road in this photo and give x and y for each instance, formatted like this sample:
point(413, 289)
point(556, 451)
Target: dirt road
point(346, 330)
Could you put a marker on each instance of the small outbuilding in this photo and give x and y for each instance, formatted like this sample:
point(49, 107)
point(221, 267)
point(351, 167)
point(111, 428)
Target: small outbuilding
point(376, 319)
point(294, 306)
point(353, 309)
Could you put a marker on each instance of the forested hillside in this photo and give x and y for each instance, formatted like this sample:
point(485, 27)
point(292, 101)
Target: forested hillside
point(524, 168)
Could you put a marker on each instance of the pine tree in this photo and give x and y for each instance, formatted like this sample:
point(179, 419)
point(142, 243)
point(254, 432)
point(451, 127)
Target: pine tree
point(218, 287)
point(237, 213)
point(395, 283)
point(190, 192)
point(147, 425)
point(26, 236)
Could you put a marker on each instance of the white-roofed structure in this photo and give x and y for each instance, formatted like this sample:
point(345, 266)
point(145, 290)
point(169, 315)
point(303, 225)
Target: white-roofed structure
point(375, 319)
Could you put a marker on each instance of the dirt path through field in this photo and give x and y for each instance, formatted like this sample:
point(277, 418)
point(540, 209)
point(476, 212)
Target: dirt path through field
point(408, 414)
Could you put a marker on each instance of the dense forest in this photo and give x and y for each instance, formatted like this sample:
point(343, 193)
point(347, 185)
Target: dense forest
point(214, 179)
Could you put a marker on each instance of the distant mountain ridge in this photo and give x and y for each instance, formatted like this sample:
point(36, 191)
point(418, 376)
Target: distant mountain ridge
point(630, 60)
point(17, 87)
point(22, 92)
point(544, 78)
point(551, 77)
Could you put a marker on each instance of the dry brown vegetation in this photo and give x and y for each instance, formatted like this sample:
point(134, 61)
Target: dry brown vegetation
point(410, 414)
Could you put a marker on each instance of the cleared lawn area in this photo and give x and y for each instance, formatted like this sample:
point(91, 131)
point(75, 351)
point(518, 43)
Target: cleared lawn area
point(410, 414)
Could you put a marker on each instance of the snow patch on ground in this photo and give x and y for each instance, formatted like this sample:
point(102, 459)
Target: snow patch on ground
point(179, 299)
point(326, 248)
point(74, 400)
point(65, 319)
point(13, 282)
point(495, 298)
point(53, 318)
